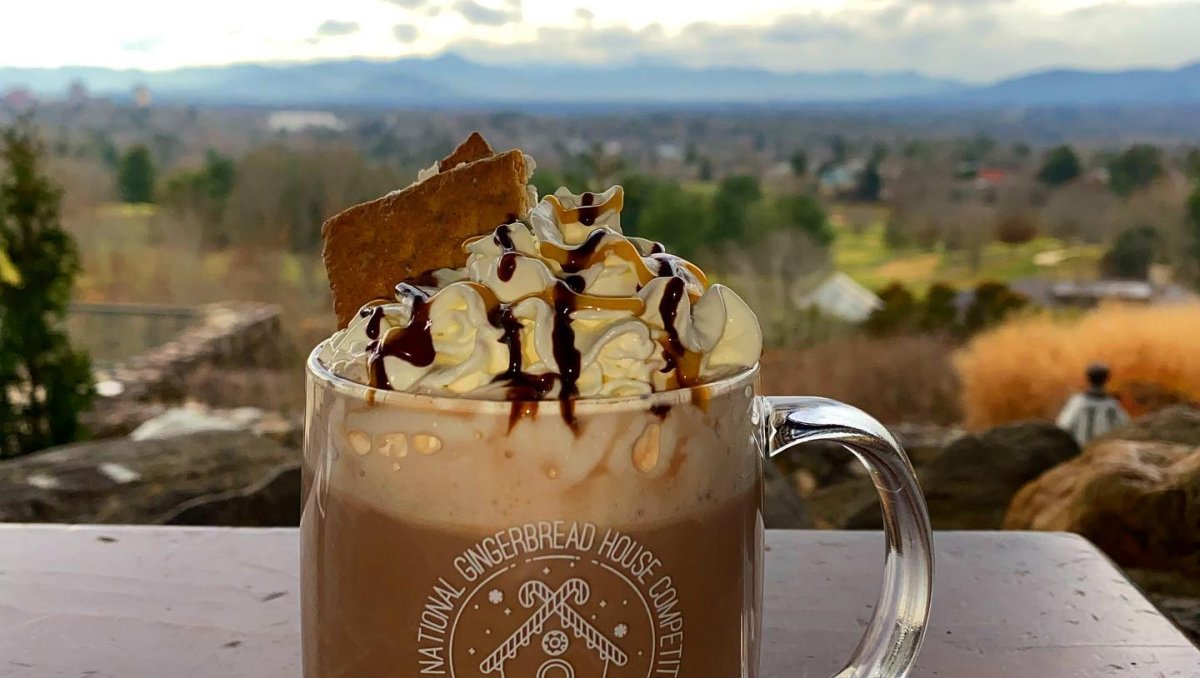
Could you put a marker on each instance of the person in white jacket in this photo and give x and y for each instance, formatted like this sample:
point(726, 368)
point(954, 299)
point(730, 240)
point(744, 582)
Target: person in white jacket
point(1093, 412)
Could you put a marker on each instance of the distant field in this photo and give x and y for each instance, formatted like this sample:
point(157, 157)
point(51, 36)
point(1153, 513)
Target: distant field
point(861, 253)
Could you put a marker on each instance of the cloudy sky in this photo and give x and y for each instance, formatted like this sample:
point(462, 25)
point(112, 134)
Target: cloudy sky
point(975, 40)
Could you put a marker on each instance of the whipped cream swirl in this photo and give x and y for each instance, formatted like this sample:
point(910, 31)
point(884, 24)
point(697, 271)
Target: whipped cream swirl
point(564, 306)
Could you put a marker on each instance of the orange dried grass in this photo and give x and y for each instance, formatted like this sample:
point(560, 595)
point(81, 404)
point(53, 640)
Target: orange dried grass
point(1027, 367)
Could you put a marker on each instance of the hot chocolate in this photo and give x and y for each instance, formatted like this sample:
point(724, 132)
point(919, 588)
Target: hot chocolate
point(440, 541)
point(454, 525)
point(533, 449)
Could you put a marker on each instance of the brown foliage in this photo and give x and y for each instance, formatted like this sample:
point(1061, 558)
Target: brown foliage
point(1016, 228)
point(1026, 368)
point(906, 378)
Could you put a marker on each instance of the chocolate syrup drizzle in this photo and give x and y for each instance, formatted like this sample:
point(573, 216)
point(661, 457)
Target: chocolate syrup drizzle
point(507, 265)
point(414, 343)
point(374, 316)
point(683, 362)
point(522, 389)
point(565, 353)
point(588, 211)
point(580, 256)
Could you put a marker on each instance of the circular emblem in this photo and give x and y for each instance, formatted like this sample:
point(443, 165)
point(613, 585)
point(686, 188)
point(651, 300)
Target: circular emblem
point(555, 643)
point(572, 599)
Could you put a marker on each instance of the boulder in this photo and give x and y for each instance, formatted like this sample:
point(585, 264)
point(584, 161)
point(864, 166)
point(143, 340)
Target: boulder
point(968, 486)
point(1138, 500)
point(1176, 595)
point(194, 417)
point(124, 481)
point(274, 501)
point(1178, 424)
point(783, 508)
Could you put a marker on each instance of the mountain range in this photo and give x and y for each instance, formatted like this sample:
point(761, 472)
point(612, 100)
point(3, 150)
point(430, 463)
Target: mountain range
point(450, 80)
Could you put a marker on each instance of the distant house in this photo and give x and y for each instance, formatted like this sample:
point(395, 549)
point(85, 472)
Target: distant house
point(297, 121)
point(841, 178)
point(990, 178)
point(77, 93)
point(1134, 291)
point(19, 99)
point(142, 97)
point(669, 152)
point(839, 296)
point(1097, 176)
point(1090, 293)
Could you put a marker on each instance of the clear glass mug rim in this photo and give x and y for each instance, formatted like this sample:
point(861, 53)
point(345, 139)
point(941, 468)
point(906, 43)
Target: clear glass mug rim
point(407, 400)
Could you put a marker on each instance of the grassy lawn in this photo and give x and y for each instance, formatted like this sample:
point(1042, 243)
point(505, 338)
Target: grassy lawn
point(863, 255)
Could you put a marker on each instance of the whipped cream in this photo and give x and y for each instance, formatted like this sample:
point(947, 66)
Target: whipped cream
point(564, 306)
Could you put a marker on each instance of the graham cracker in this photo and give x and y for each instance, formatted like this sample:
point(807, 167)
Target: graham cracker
point(473, 148)
point(371, 247)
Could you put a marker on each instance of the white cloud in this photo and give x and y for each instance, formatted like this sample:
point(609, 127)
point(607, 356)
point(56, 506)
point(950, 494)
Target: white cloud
point(332, 28)
point(405, 33)
point(141, 44)
point(972, 39)
point(969, 39)
point(484, 15)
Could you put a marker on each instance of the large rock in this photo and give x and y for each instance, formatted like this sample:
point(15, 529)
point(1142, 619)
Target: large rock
point(783, 508)
point(968, 486)
point(122, 481)
point(274, 501)
point(1176, 595)
point(1139, 501)
point(1179, 424)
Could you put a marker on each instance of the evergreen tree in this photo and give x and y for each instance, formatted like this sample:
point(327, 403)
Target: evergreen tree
point(1132, 253)
point(803, 213)
point(1059, 166)
point(799, 162)
point(939, 311)
point(1191, 164)
point(731, 204)
point(1137, 167)
point(1193, 213)
point(44, 382)
point(135, 175)
point(869, 184)
point(897, 313)
point(993, 302)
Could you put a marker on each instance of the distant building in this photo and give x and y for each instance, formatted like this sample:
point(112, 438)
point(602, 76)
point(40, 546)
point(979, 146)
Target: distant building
point(990, 178)
point(1096, 177)
point(296, 121)
point(19, 99)
point(77, 93)
point(841, 178)
point(839, 296)
point(1089, 293)
point(671, 152)
point(141, 96)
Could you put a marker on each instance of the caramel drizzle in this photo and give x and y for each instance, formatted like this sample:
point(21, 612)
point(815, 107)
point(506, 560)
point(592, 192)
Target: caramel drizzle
point(589, 210)
point(597, 247)
point(414, 343)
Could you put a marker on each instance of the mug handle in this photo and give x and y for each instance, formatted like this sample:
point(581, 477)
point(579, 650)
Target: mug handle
point(897, 627)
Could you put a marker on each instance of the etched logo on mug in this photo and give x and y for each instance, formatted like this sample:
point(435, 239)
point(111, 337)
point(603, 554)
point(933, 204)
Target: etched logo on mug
point(553, 599)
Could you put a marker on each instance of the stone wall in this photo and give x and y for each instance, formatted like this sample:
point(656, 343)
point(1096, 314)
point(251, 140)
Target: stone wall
point(225, 335)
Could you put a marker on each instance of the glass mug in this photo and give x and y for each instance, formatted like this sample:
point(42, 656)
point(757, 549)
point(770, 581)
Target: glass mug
point(602, 538)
